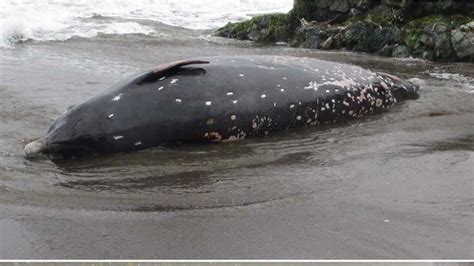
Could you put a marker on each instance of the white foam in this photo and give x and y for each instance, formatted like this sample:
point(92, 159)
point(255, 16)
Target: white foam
point(60, 20)
point(466, 82)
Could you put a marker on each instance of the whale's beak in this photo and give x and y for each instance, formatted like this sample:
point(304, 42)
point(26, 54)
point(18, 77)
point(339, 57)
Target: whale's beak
point(402, 89)
point(36, 147)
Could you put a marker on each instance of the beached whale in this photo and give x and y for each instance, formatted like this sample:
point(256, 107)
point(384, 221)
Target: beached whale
point(219, 99)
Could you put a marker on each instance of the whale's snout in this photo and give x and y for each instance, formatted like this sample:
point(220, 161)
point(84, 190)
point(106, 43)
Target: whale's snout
point(402, 89)
point(36, 147)
point(406, 90)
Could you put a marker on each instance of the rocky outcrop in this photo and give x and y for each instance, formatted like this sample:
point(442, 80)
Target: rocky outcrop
point(398, 28)
point(462, 41)
point(267, 28)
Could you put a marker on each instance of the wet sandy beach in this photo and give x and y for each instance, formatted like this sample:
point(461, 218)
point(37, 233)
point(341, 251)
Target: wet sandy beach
point(398, 185)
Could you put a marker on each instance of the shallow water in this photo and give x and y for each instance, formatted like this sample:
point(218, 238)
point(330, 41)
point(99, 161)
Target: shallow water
point(393, 185)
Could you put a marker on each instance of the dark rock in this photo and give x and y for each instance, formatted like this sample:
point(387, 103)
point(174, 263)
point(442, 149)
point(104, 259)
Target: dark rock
point(427, 39)
point(381, 11)
point(362, 36)
point(313, 34)
point(340, 6)
point(321, 14)
point(328, 43)
point(398, 3)
point(324, 3)
point(443, 48)
point(364, 4)
point(390, 34)
point(463, 43)
point(338, 18)
point(400, 51)
point(467, 27)
point(265, 28)
point(337, 43)
point(428, 55)
point(387, 50)
point(355, 12)
point(312, 42)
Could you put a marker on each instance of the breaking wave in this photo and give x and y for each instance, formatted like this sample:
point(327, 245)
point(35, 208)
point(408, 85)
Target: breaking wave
point(59, 20)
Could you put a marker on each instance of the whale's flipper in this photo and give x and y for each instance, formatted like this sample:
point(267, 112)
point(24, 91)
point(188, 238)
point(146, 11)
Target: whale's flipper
point(162, 69)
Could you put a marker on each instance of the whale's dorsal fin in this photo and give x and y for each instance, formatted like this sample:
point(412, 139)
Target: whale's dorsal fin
point(160, 70)
point(165, 67)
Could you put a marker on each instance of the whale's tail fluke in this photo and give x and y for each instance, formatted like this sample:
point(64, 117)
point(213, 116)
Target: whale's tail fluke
point(36, 147)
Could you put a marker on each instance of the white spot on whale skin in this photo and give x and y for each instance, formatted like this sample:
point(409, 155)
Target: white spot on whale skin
point(285, 78)
point(138, 143)
point(179, 100)
point(234, 101)
point(263, 96)
point(292, 106)
point(118, 137)
point(111, 115)
point(282, 90)
point(162, 78)
point(241, 75)
point(116, 98)
point(233, 117)
point(278, 85)
point(274, 104)
point(173, 81)
point(298, 117)
point(208, 103)
point(160, 88)
point(230, 93)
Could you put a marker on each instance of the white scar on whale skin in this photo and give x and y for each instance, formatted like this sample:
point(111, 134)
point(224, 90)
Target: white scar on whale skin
point(312, 85)
point(138, 143)
point(160, 88)
point(179, 100)
point(173, 81)
point(116, 98)
point(241, 75)
point(230, 93)
point(111, 115)
point(162, 78)
point(345, 83)
point(118, 137)
point(208, 103)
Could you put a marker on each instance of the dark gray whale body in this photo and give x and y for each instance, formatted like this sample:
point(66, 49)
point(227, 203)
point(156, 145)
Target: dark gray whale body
point(220, 99)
